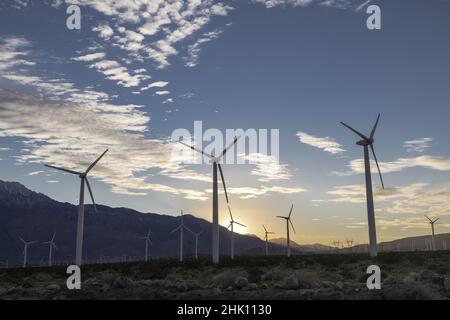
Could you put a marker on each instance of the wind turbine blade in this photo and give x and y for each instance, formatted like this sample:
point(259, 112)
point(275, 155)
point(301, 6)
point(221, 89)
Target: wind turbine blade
point(358, 133)
point(242, 225)
point(378, 166)
point(95, 162)
point(230, 225)
point(292, 225)
point(290, 212)
point(176, 229)
point(223, 181)
point(188, 229)
point(231, 215)
point(282, 217)
point(372, 134)
point(22, 239)
point(428, 218)
point(228, 148)
point(265, 228)
point(195, 149)
point(62, 169)
point(54, 246)
point(436, 220)
point(54, 235)
point(90, 192)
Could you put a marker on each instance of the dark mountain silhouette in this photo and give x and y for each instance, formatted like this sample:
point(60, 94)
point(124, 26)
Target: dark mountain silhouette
point(111, 233)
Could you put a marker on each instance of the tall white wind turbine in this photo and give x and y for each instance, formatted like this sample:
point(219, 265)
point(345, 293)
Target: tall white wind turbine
point(80, 224)
point(51, 245)
point(231, 227)
point(432, 222)
point(215, 199)
point(25, 250)
point(267, 239)
point(148, 242)
point(196, 235)
point(367, 142)
point(288, 221)
point(181, 228)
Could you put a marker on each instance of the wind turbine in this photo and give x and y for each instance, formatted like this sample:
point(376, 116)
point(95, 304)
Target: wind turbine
point(367, 142)
point(147, 243)
point(25, 250)
point(432, 222)
point(267, 239)
point(52, 245)
point(181, 228)
point(80, 225)
point(231, 227)
point(288, 221)
point(196, 235)
point(215, 199)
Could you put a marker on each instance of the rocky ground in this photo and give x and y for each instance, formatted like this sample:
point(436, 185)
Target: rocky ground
point(423, 275)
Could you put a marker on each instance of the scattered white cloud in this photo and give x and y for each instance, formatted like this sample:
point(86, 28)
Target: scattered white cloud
point(254, 192)
point(157, 84)
point(326, 144)
point(162, 93)
point(194, 49)
point(90, 57)
point(267, 167)
point(418, 145)
point(104, 31)
point(35, 173)
point(113, 70)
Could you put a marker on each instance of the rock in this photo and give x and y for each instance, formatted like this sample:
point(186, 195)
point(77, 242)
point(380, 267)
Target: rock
point(121, 283)
point(182, 286)
point(240, 282)
point(426, 274)
point(264, 286)
point(411, 278)
point(53, 287)
point(230, 288)
point(447, 284)
point(250, 287)
point(216, 292)
point(148, 283)
point(289, 283)
point(328, 284)
point(339, 285)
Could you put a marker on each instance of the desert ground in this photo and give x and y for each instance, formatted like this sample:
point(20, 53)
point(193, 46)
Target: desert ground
point(413, 275)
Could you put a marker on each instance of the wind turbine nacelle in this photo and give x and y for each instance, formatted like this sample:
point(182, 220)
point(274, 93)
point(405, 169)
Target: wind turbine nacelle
point(365, 142)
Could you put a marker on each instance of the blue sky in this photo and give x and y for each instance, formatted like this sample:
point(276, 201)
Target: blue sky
point(137, 70)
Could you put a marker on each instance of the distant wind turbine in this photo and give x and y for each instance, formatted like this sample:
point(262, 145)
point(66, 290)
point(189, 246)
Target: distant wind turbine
point(432, 222)
point(181, 228)
point(25, 250)
point(52, 245)
point(288, 221)
point(367, 142)
point(196, 235)
point(148, 242)
point(267, 239)
point(215, 204)
point(80, 225)
point(231, 227)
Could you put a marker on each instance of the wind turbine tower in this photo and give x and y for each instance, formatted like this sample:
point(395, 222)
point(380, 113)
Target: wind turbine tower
point(80, 223)
point(51, 245)
point(231, 227)
point(148, 242)
point(288, 221)
point(25, 250)
point(181, 228)
point(267, 239)
point(432, 222)
point(367, 142)
point(215, 161)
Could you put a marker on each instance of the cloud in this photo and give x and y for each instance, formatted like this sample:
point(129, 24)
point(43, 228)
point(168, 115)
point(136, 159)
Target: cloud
point(116, 72)
point(255, 192)
point(275, 3)
point(90, 57)
point(35, 173)
point(267, 167)
point(428, 162)
point(14, 52)
point(162, 93)
point(194, 49)
point(418, 145)
point(105, 32)
point(157, 84)
point(326, 144)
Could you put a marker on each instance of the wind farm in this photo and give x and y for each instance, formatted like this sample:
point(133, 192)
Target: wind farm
point(216, 140)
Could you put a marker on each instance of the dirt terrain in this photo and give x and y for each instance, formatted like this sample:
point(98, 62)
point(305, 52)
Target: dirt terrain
point(418, 275)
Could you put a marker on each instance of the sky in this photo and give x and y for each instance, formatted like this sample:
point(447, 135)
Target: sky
point(138, 70)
